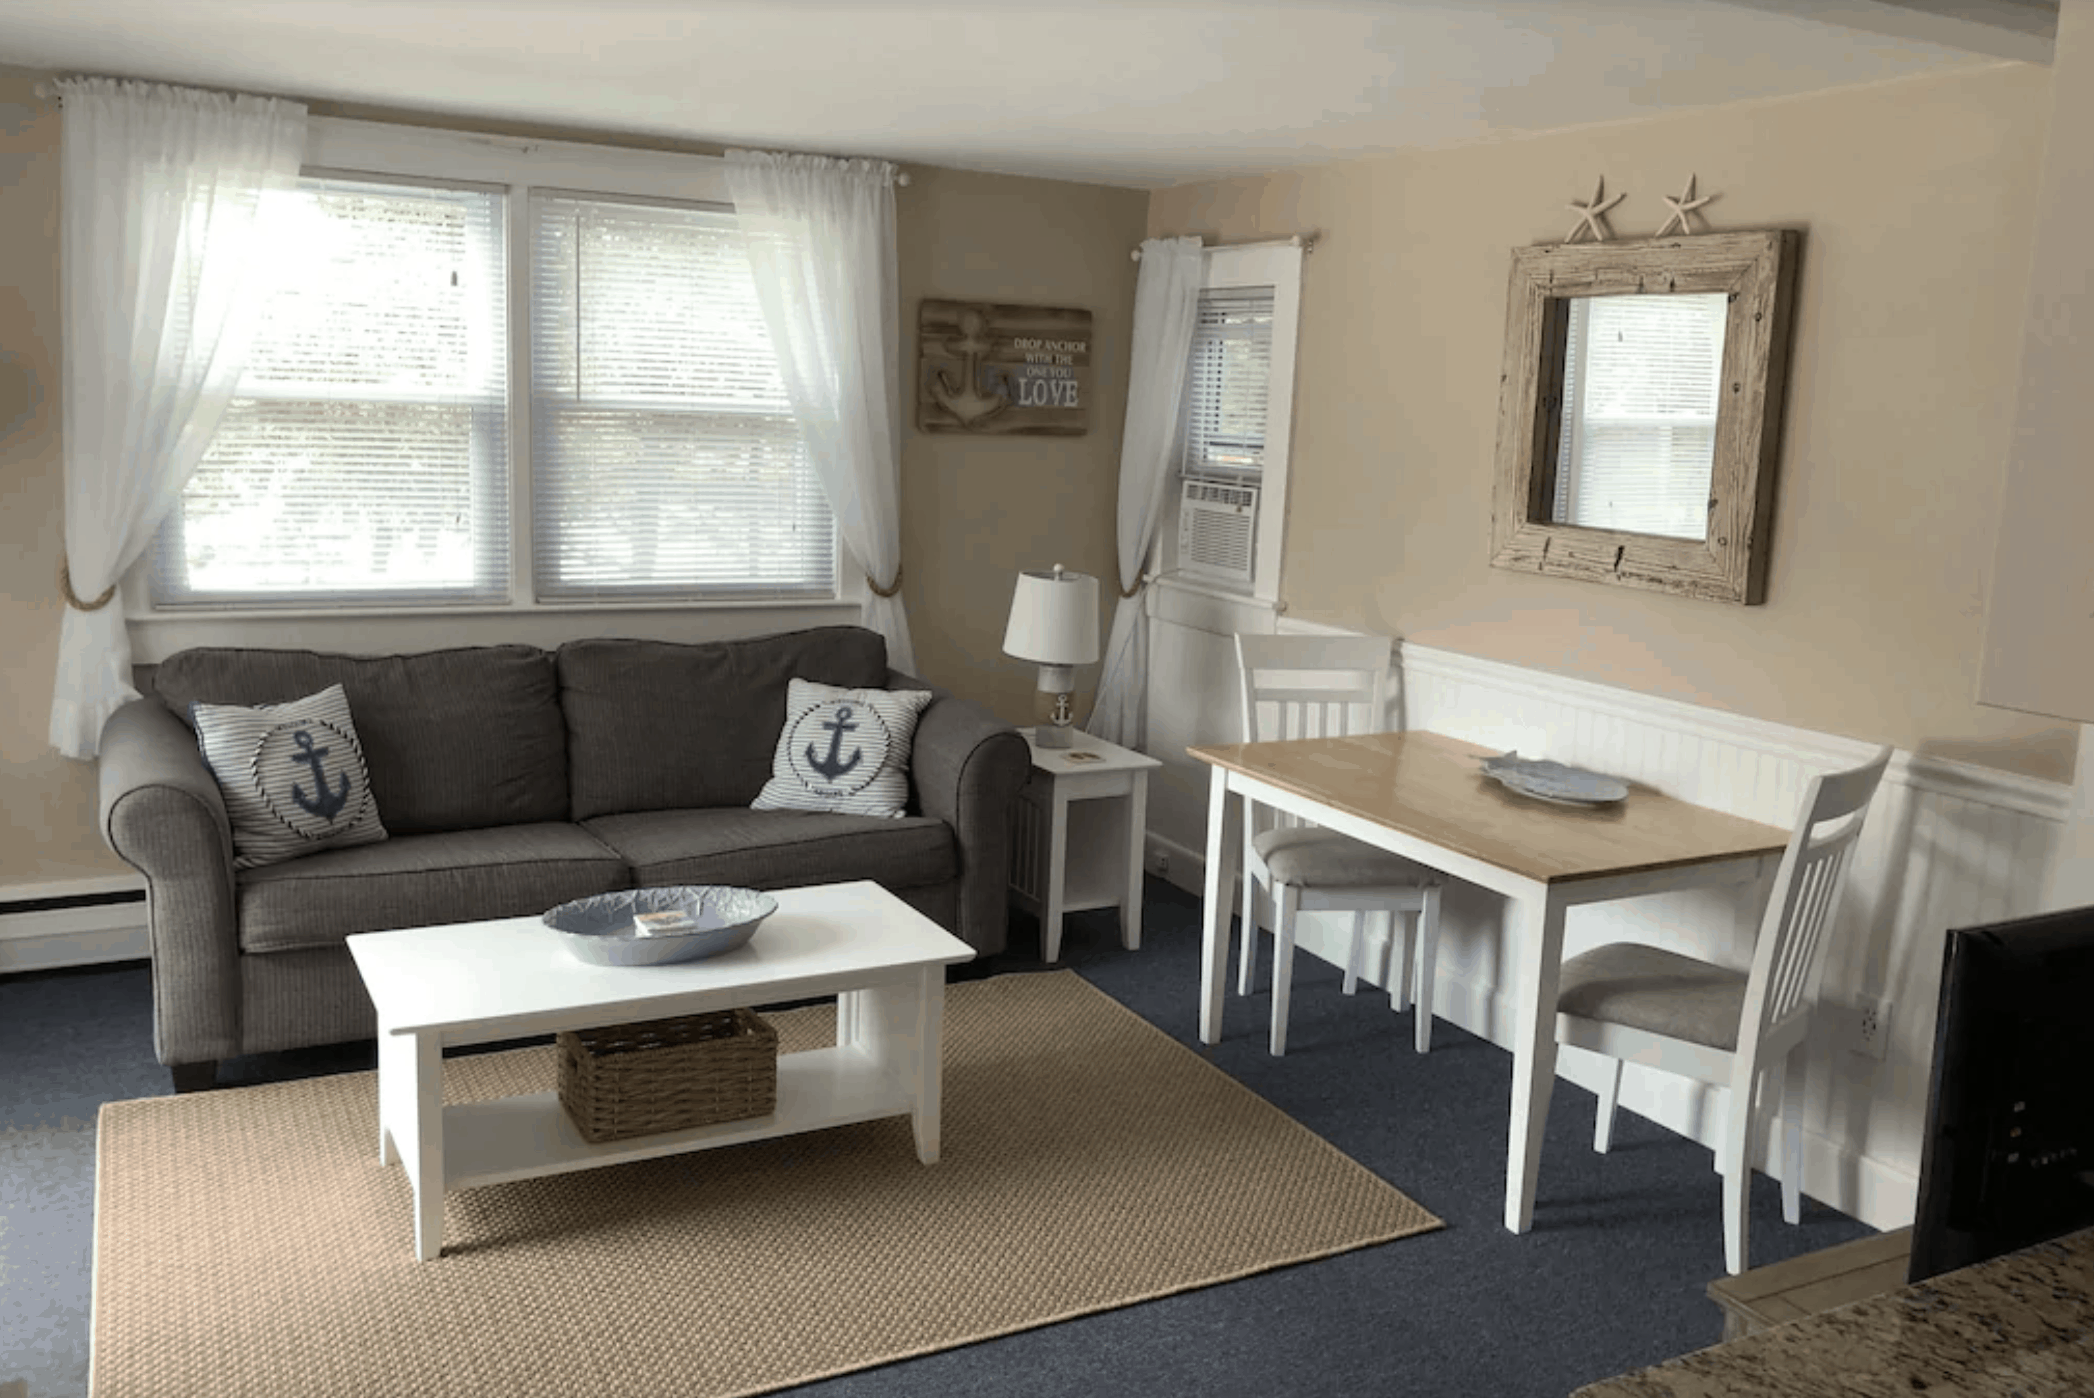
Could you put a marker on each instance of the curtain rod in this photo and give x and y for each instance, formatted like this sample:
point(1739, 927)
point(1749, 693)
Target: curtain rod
point(48, 91)
point(1305, 241)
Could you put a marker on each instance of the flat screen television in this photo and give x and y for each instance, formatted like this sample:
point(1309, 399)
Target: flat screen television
point(2008, 1158)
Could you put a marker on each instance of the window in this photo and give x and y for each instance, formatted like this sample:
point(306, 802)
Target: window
point(1226, 530)
point(1642, 377)
point(1228, 380)
point(367, 453)
point(666, 456)
point(476, 387)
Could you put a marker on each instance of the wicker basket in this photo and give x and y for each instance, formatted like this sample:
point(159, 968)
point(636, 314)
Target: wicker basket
point(628, 1080)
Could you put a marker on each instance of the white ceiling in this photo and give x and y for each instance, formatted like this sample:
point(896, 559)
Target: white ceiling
point(1138, 94)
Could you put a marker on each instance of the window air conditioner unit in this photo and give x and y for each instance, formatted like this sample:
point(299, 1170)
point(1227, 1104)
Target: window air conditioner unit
point(1217, 531)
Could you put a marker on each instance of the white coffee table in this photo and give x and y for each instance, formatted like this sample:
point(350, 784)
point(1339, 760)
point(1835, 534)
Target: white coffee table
point(471, 983)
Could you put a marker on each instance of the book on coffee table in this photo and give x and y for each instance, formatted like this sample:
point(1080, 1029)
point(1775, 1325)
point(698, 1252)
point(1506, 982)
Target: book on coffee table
point(673, 922)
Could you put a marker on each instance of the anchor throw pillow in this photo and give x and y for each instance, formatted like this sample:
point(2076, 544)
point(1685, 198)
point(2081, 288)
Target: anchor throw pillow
point(293, 776)
point(844, 750)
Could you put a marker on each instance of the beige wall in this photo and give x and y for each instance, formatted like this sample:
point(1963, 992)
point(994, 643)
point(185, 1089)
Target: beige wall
point(1915, 199)
point(46, 801)
point(975, 510)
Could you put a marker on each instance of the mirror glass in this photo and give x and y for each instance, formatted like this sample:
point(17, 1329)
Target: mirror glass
point(1638, 397)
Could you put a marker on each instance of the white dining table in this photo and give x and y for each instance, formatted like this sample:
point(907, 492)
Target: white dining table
point(1424, 796)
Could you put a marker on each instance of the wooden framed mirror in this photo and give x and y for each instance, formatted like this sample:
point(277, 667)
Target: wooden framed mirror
point(1639, 412)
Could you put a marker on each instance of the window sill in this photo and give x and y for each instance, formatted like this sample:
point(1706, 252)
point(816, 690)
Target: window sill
point(155, 636)
point(174, 616)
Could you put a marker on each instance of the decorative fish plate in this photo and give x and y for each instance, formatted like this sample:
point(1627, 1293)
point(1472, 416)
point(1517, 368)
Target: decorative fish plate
point(1553, 781)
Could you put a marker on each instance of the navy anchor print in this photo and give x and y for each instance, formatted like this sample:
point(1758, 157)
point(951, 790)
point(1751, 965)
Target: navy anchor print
point(830, 766)
point(329, 802)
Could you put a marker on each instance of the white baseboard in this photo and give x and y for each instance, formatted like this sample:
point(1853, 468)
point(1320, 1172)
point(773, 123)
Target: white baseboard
point(91, 934)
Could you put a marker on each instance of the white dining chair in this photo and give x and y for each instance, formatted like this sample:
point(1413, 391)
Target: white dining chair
point(1721, 1026)
point(1312, 687)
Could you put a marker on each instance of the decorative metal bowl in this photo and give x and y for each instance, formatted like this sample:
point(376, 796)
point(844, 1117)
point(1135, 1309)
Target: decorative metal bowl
point(601, 930)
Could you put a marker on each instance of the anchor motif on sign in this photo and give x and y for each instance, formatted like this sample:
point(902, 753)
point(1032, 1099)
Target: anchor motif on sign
point(833, 766)
point(328, 803)
point(978, 396)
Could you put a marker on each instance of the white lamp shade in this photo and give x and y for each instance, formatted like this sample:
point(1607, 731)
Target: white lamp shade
point(1054, 619)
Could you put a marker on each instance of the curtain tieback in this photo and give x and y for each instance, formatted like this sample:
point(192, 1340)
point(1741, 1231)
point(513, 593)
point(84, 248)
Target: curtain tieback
point(65, 585)
point(1127, 594)
point(880, 591)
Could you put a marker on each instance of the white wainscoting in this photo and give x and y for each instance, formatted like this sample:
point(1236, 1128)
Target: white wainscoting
point(1948, 844)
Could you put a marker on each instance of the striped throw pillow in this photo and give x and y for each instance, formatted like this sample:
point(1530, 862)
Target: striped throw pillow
point(844, 750)
point(293, 776)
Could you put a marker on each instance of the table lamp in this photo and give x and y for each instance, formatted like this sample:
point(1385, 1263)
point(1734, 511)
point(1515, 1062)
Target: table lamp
point(1054, 624)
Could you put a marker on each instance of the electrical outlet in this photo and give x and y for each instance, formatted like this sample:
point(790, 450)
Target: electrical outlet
point(1159, 862)
point(1871, 1026)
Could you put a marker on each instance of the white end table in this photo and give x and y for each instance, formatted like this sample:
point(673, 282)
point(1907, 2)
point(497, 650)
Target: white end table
point(1060, 865)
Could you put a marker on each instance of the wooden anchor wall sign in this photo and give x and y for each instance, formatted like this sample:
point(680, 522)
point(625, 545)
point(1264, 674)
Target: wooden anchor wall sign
point(1003, 370)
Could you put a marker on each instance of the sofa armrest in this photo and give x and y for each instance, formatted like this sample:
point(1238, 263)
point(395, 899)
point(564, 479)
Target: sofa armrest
point(967, 768)
point(163, 814)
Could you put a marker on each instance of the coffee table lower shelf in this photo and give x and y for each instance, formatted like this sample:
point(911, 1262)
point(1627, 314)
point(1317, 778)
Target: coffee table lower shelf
point(520, 1138)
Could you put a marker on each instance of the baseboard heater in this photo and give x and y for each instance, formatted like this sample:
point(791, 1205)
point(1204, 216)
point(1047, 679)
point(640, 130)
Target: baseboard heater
point(56, 930)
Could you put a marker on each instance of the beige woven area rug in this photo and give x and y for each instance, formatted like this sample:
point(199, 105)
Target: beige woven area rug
point(248, 1241)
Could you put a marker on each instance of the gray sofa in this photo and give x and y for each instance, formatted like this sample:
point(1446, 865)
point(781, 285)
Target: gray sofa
point(510, 779)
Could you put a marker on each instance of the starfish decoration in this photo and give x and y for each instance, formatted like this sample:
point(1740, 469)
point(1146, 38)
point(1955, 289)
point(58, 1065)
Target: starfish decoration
point(1592, 216)
point(1681, 207)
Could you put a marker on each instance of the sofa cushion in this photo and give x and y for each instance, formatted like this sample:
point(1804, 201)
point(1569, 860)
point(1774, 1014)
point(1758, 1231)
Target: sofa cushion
point(421, 881)
point(455, 739)
point(661, 725)
point(293, 776)
point(778, 849)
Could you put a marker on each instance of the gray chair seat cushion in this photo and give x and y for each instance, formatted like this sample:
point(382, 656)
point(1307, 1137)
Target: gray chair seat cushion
point(1311, 857)
point(1655, 990)
point(778, 849)
point(422, 881)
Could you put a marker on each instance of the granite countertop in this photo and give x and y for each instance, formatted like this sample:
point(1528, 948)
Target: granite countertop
point(2019, 1325)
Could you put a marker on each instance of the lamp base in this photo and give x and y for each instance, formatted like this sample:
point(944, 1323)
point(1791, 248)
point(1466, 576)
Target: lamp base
point(1054, 707)
point(1053, 735)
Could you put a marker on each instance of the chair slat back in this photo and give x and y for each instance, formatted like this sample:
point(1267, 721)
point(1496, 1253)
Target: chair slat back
point(1805, 901)
point(1311, 686)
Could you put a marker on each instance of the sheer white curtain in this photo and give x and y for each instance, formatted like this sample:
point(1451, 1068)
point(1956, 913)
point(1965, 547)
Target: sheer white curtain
point(821, 244)
point(164, 250)
point(1166, 303)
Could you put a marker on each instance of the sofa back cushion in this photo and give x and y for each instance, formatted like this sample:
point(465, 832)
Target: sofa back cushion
point(454, 739)
point(662, 725)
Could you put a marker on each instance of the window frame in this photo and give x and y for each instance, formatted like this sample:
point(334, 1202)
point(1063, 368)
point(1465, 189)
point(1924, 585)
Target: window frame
point(1757, 270)
point(344, 147)
point(1279, 266)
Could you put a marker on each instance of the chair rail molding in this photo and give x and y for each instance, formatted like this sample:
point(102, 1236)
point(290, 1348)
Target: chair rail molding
point(1947, 844)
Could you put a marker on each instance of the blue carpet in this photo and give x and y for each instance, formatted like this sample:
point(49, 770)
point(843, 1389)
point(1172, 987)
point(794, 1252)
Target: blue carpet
point(1611, 1278)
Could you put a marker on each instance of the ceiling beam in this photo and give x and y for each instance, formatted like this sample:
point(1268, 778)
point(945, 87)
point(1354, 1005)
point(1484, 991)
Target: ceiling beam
point(2023, 30)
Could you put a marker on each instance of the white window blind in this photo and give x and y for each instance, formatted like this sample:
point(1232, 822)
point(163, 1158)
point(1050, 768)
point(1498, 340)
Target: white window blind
point(366, 455)
point(665, 456)
point(1228, 382)
point(1642, 378)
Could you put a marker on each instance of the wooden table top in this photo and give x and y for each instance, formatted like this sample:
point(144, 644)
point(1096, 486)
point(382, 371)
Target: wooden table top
point(1431, 786)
